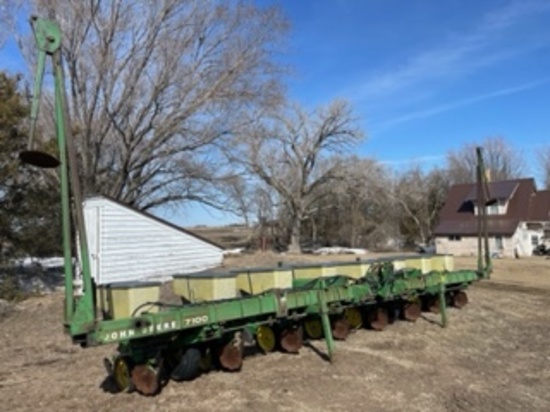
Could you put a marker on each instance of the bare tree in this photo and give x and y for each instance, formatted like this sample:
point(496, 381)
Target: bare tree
point(368, 209)
point(357, 211)
point(8, 13)
point(420, 196)
point(544, 166)
point(502, 161)
point(154, 87)
point(290, 151)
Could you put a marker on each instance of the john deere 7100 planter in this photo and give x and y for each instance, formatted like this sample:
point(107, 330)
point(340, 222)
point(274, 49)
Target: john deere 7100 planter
point(159, 340)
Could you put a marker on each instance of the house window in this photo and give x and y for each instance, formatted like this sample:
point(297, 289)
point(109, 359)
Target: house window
point(534, 240)
point(499, 243)
point(493, 209)
point(498, 207)
point(455, 238)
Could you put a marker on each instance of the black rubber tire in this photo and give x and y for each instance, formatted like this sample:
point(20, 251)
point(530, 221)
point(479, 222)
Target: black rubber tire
point(189, 366)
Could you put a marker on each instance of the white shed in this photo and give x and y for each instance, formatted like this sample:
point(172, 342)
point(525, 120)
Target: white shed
point(126, 244)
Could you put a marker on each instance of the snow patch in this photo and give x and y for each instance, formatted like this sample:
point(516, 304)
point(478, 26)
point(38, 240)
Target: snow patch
point(46, 263)
point(233, 252)
point(338, 250)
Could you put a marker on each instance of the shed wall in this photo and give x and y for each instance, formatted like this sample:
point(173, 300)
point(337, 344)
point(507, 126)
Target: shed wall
point(127, 245)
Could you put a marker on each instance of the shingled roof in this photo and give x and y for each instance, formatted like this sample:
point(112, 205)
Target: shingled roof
point(540, 206)
point(525, 205)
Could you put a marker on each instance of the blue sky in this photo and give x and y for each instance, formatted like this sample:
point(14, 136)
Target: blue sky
point(427, 76)
point(424, 76)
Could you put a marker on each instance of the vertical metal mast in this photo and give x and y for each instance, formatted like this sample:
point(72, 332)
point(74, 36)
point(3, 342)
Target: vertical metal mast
point(484, 264)
point(79, 310)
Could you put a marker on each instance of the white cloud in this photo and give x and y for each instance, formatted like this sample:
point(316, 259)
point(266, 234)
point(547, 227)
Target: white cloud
point(414, 160)
point(432, 111)
point(460, 54)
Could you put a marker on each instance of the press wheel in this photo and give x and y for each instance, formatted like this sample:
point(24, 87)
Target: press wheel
point(353, 317)
point(265, 338)
point(122, 369)
point(313, 328)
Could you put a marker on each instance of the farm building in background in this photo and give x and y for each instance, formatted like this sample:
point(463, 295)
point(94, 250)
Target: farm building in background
point(518, 218)
point(126, 244)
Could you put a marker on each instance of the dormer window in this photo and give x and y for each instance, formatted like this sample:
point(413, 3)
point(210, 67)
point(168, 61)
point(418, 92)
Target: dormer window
point(495, 208)
point(498, 196)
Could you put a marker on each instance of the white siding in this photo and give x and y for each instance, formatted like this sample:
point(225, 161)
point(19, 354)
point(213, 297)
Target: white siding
point(523, 239)
point(127, 245)
point(467, 246)
point(520, 243)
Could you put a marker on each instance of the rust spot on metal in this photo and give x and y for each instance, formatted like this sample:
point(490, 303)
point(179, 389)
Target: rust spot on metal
point(340, 329)
point(292, 340)
point(412, 311)
point(145, 380)
point(460, 299)
point(433, 305)
point(231, 356)
point(379, 319)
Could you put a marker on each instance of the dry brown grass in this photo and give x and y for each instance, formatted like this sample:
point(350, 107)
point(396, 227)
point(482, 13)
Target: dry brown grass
point(494, 356)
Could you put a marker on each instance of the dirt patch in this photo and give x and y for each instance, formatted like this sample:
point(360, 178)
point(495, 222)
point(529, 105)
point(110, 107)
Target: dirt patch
point(493, 356)
point(6, 309)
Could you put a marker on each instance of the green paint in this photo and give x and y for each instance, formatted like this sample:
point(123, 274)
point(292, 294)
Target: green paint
point(48, 40)
point(79, 311)
point(442, 301)
point(327, 330)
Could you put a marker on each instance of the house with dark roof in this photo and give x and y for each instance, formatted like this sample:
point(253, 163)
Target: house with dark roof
point(518, 218)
